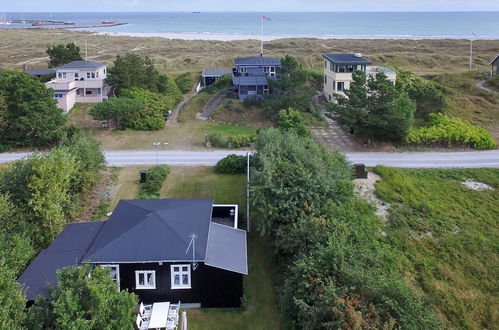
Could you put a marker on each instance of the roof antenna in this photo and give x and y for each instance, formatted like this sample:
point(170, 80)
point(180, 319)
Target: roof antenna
point(193, 243)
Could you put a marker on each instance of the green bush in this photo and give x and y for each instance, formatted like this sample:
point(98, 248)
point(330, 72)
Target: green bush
point(232, 164)
point(217, 139)
point(239, 141)
point(156, 176)
point(427, 95)
point(184, 82)
point(451, 132)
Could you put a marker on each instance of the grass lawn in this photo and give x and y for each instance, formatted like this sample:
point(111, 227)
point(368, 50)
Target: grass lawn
point(260, 311)
point(447, 239)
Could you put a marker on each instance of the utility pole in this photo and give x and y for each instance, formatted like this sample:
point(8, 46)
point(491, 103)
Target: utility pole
point(471, 51)
point(261, 44)
point(248, 225)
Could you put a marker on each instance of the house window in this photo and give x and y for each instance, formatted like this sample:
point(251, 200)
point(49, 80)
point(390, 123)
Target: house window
point(329, 97)
point(58, 96)
point(325, 64)
point(350, 68)
point(104, 70)
point(341, 68)
point(181, 276)
point(114, 272)
point(97, 74)
point(325, 80)
point(78, 91)
point(93, 74)
point(341, 86)
point(77, 75)
point(88, 92)
point(88, 75)
point(61, 75)
point(145, 279)
point(243, 69)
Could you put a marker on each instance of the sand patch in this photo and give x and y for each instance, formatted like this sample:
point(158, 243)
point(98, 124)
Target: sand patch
point(475, 185)
point(365, 188)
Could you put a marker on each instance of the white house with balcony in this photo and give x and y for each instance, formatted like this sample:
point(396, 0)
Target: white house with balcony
point(79, 82)
point(338, 69)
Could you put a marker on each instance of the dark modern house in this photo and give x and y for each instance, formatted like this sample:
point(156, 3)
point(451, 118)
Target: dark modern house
point(250, 76)
point(494, 66)
point(187, 250)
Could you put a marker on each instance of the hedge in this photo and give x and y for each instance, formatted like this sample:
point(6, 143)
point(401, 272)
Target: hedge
point(156, 176)
point(219, 140)
point(451, 132)
point(232, 164)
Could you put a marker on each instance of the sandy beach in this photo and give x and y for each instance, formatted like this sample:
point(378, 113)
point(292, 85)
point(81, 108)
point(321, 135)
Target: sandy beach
point(236, 37)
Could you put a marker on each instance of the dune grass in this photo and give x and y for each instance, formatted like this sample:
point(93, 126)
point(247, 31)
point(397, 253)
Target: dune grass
point(20, 46)
point(446, 237)
point(469, 102)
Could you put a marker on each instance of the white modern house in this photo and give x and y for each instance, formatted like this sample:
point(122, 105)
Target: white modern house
point(338, 69)
point(79, 82)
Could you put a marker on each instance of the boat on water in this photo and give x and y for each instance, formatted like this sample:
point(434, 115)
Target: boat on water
point(3, 19)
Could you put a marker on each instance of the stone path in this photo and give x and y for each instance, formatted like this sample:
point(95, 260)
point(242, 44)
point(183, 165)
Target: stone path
point(334, 135)
point(481, 85)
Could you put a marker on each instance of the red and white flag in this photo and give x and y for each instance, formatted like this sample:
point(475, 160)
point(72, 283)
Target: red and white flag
point(267, 18)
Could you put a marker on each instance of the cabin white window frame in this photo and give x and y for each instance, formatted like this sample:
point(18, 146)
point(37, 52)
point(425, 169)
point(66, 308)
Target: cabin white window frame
point(114, 276)
point(178, 270)
point(61, 75)
point(145, 286)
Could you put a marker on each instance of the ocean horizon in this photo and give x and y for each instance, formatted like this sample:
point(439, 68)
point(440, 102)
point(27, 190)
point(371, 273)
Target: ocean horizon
point(391, 25)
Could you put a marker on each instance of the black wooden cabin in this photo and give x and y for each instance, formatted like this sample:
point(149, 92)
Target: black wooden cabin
point(163, 250)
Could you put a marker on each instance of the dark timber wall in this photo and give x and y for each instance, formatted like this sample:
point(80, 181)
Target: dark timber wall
point(212, 287)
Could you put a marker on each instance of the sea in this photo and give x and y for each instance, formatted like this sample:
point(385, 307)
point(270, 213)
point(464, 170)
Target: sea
point(403, 25)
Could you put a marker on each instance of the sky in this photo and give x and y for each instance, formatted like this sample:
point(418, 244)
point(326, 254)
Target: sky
point(254, 5)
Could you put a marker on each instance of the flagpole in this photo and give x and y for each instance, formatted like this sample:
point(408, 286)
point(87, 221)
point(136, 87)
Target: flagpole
point(261, 45)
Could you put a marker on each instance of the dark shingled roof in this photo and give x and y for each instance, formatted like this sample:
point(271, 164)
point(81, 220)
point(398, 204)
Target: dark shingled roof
point(41, 72)
point(82, 65)
point(346, 59)
point(216, 72)
point(218, 255)
point(493, 62)
point(153, 230)
point(250, 80)
point(257, 61)
point(67, 250)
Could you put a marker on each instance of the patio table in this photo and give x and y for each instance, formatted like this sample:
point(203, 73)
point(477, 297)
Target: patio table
point(159, 315)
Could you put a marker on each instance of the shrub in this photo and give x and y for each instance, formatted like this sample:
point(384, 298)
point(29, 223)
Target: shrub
point(217, 139)
point(426, 94)
point(239, 141)
point(184, 82)
point(156, 176)
point(451, 132)
point(292, 120)
point(228, 105)
point(232, 164)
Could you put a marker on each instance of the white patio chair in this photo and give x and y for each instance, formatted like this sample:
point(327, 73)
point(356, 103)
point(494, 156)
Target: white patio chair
point(174, 309)
point(145, 310)
point(141, 323)
point(172, 322)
